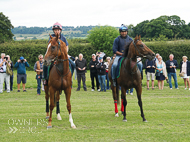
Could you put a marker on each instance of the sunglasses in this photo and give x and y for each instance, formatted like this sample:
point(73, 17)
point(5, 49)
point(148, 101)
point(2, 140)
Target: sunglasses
point(41, 58)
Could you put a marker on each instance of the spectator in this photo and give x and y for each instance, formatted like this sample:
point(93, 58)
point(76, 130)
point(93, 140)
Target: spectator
point(150, 72)
point(101, 67)
point(81, 70)
point(11, 76)
point(71, 64)
point(21, 65)
point(93, 72)
point(159, 72)
point(3, 74)
point(140, 66)
point(131, 91)
point(38, 68)
point(75, 71)
point(107, 69)
point(171, 66)
point(156, 57)
point(185, 69)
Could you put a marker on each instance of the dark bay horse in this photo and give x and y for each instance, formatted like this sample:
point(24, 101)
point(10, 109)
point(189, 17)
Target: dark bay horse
point(130, 76)
point(59, 76)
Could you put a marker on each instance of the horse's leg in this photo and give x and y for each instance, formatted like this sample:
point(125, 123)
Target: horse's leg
point(47, 101)
point(123, 96)
point(139, 92)
point(57, 103)
point(52, 95)
point(115, 99)
point(68, 95)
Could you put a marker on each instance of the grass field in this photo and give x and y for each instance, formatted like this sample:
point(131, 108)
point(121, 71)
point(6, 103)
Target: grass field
point(167, 112)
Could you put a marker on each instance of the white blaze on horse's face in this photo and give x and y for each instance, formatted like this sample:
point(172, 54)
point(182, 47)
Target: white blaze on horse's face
point(48, 48)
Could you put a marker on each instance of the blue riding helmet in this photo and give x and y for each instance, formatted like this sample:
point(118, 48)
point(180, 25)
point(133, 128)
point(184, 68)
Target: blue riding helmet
point(123, 28)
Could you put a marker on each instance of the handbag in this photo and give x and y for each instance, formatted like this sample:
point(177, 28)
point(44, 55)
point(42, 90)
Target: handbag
point(157, 74)
point(8, 70)
point(181, 74)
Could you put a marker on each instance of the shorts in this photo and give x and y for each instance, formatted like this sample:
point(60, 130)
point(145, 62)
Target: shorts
point(149, 74)
point(185, 76)
point(21, 77)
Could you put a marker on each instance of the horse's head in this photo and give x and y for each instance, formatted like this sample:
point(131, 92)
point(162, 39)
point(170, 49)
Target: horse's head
point(54, 50)
point(141, 49)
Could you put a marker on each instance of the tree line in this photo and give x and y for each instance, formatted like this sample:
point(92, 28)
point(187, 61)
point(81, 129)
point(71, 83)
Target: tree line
point(163, 27)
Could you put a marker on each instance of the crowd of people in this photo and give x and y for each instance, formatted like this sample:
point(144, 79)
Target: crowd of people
point(166, 70)
point(7, 77)
point(98, 68)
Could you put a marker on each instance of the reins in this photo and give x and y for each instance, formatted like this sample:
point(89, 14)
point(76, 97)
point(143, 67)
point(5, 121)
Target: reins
point(59, 72)
point(131, 72)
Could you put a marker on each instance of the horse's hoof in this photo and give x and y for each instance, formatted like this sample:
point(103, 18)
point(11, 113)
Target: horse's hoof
point(124, 120)
point(49, 127)
point(145, 120)
point(122, 112)
point(59, 117)
point(47, 117)
point(116, 115)
point(73, 126)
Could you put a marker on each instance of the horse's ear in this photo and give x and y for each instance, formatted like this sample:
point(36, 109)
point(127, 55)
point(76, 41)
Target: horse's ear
point(139, 37)
point(136, 38)
point(50, 36)
point(57, 37)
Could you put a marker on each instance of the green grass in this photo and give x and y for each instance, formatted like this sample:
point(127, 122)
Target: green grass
point(167, 113)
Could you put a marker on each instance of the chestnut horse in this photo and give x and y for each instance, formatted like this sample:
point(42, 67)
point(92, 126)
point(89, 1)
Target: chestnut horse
point(130, 76)
point(59, 76)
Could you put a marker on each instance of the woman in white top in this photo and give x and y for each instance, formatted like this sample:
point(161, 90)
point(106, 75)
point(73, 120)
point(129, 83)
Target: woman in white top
point(185, 69)
point(159, 72)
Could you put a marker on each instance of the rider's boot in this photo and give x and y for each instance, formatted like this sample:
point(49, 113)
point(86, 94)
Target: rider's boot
point(114, 82)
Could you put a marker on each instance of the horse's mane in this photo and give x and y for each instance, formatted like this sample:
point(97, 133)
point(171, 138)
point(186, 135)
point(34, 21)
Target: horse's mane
point(125, 53)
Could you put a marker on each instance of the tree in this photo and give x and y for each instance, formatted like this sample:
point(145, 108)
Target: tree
point(157, 27)
point(5, 28)
point(139, 29)
point(102, 38)
point(176, 25)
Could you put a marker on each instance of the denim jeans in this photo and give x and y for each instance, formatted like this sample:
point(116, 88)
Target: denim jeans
point(114, 67)
point(108, 85)
point(175, 79)
point(131, 90)
point(102, 83)
point(38, 77)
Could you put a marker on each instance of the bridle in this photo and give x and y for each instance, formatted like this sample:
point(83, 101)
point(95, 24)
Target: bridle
point(131, 72)
point(60, 71)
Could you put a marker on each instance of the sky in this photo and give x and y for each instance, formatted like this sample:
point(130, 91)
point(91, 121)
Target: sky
point(44, 13)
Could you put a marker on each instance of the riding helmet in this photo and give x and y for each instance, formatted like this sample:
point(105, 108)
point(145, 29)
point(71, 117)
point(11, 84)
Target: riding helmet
point(57, 26)
point(123, 28)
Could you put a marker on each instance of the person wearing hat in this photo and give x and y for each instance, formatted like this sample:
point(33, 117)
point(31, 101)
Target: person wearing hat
point(185, 69)
point(118, 48)
point(57, 28)
point(93, 72)
point(101, 68)
point(21, 65)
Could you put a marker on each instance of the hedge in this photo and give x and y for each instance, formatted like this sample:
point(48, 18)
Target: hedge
point(177, 48)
